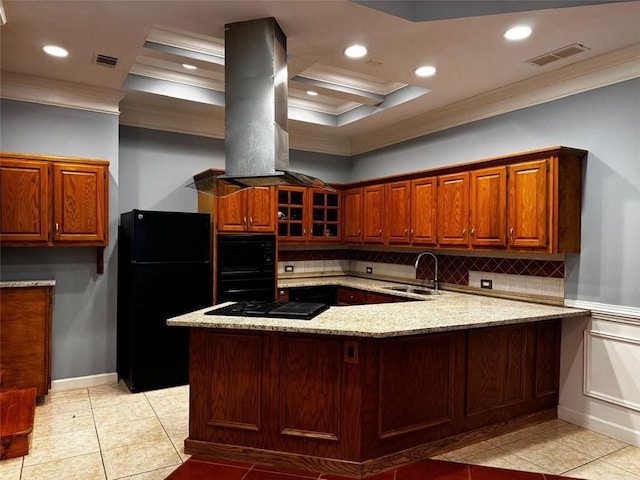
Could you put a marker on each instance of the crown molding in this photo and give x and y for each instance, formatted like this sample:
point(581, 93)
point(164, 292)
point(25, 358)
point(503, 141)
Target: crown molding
point(607, 69)
point(26, 88)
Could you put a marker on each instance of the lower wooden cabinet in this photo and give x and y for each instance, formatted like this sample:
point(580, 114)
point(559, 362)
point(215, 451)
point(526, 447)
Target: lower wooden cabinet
point(338, 400)
point(25, 342)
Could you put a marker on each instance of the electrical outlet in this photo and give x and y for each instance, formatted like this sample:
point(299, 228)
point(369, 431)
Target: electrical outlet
point(288, 268)
point(486, 283)
point(369, 269)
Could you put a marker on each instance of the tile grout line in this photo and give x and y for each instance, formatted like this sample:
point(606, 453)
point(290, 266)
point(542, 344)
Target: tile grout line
point(95, 426)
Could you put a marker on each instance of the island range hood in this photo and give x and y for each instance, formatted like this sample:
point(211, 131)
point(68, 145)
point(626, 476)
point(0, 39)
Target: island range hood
point(256, 93)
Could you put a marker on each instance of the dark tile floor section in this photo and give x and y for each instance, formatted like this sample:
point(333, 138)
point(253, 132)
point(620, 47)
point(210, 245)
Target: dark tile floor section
point(199, 468)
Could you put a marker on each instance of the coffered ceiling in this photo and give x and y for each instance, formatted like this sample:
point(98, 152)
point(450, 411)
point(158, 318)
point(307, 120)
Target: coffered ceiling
point(127, 56)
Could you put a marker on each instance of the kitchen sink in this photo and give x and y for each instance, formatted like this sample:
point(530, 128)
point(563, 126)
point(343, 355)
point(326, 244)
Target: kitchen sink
point(416, 290)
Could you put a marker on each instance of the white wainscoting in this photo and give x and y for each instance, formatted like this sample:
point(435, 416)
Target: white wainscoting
point(600, 371)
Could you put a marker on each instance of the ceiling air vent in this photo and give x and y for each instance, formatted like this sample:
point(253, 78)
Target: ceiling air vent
point(559, 54)
point(105, 60)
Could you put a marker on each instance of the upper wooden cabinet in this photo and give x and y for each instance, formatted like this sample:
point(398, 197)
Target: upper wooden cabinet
point(292, 214)
point(453, 209)
point(249, 210)
point(353, 215)
point(308, 215)
point(373, 214)
point(398, 215)
point(488, 207)
point(53, 201)
point(423, 211)
point(324, 216)
point(528, 205)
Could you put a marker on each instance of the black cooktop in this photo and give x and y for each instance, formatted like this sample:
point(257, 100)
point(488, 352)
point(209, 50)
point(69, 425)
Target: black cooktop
point(276, 309)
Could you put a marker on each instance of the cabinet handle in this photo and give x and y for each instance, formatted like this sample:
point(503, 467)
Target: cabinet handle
point(244, 220)
point(304, 231)
point(251, 221)
point(464, 232)
point(380, 232)
point(473, 232)
point(511, 233)
point(406, 230)
point(57, 230)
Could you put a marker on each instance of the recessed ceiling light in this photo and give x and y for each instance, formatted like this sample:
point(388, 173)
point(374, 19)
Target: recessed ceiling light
point(189, 67)
point(355, 51)
point(425, 71)
point(517, 33)
point(312, 93)
point(55, 51)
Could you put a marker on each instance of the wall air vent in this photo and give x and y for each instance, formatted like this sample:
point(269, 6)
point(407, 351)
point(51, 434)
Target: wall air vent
point(559, 54)
point(105, 60)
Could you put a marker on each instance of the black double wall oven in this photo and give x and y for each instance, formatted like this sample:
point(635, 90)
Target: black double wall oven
point(246, 267)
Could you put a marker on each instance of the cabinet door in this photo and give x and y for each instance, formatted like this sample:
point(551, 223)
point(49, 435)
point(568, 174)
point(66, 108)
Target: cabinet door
point(25, 343)
point(528, 205)
point(324, 216)
point(80, 203)
point(231, 211)
point(488, 207)
point(373, 214)
point(292, 218)
point(453, 209)
point(423, 211)
point(24, 201)
point(353, 215)
point(398, 212)
point(261, 209)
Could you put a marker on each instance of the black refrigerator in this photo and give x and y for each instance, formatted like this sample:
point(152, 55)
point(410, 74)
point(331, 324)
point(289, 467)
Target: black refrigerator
point(164, 270)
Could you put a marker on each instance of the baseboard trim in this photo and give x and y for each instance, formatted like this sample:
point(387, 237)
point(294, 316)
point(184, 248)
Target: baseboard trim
point(76, 383)
point(599, 425)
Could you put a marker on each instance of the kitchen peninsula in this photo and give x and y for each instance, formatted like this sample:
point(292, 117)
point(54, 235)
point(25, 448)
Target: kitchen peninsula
point(359, 389)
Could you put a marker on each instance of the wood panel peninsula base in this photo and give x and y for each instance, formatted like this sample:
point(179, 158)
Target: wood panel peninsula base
point(356, 406)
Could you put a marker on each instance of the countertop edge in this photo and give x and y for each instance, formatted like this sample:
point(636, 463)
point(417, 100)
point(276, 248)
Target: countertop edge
point(27, 283)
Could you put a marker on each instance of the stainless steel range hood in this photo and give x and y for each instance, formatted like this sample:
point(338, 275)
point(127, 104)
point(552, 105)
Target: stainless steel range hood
point(256, 93)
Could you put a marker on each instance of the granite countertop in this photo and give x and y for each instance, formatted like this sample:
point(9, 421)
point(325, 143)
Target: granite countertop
point(27, 283)
point(434, 313)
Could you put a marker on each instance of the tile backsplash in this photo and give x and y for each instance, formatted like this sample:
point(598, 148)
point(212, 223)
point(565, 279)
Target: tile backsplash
point(514, 275)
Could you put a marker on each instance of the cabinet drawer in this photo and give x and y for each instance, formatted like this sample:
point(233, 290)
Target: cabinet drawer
point(349, 296)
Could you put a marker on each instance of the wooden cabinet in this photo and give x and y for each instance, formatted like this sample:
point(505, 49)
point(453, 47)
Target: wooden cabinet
point(353, 215)
point(248, 210)
point(350, 296)
point(488, 207)
point(26, 201)
point(324, 216)
point(53, 201)
point(373, 214)
point(423, 211)
point(398, 213)
point(308, 215)
point(25, 343)
point(348, 404)
point(453, 209)
point(528, 205)
point(292, 214)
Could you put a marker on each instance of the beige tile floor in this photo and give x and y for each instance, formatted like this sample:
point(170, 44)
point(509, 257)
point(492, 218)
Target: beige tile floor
point(108, 433)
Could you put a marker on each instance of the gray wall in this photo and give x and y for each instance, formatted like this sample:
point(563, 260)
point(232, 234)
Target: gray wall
point(84, 312)
point(606, 122)
point(156, 167)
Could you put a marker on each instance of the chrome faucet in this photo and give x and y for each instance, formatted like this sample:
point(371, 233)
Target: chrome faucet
point(435, 259)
